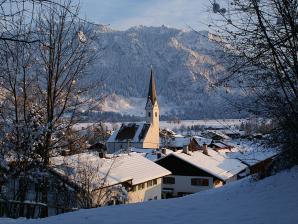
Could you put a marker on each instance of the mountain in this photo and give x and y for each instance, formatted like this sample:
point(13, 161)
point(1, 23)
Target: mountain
point(185, 62)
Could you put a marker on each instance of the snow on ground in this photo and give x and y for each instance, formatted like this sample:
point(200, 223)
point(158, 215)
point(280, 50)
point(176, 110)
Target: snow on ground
point(222, 123)
point(272, 200)
point(213, 123)
point(132, 105)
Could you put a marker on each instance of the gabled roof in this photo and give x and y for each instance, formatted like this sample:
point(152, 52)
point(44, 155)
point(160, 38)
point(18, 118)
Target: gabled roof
point(127, 131)
point(178, 142)
point(215, 133)
point(213, 163)
point(201, 140)
point(251, 153)
point(103, 172)
point(152, 90)
point(132, 132)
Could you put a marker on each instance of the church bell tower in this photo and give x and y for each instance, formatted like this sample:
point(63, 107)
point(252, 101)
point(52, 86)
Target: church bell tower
point(152, 109)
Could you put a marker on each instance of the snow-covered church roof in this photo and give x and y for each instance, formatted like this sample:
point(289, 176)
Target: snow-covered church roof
point(131, 132)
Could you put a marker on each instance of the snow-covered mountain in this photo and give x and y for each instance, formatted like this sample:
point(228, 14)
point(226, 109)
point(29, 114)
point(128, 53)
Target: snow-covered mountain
point(184, 62)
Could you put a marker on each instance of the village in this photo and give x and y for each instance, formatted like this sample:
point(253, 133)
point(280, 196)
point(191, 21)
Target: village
point(139, 162)
point(127, 111)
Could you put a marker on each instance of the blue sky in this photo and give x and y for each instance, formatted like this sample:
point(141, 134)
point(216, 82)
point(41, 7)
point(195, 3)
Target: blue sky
point(122, 14)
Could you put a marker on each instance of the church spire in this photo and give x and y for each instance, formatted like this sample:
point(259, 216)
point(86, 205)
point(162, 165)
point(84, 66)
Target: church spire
point(152, 89)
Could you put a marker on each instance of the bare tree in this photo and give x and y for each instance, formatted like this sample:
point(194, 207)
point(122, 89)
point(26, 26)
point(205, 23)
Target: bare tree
point(45, 50)
point(261, 40)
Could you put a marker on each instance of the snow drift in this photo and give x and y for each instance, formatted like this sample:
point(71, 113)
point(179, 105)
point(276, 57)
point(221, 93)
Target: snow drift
point(272, 200)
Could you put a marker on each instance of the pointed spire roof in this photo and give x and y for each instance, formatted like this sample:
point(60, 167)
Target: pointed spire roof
point(152, 89)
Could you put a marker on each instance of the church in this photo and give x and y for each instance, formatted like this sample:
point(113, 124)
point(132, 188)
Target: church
point(142, 134)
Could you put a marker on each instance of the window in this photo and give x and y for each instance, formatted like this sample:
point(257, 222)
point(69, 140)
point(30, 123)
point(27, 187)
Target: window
point(141, 186)
point(155, 114)
point(149, 114)
point(149, 183)
point(181, 194)
point(199, 182)
point(217, 182)
point(168, 180)
point(155, 197)
point(154, 181)
point(134, 188)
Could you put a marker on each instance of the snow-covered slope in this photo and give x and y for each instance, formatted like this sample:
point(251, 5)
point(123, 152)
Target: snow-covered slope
point(273, 200)
point(185, 62)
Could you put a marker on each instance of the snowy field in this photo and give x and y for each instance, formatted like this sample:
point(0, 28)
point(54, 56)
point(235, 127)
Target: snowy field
point(273, 200)
point(221, 123)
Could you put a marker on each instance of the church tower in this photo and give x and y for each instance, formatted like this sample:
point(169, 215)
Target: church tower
point(152, 110)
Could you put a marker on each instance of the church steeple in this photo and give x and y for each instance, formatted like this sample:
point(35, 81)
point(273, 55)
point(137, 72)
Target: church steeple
point(152, 114)
point(152, 110)
point(152, 90)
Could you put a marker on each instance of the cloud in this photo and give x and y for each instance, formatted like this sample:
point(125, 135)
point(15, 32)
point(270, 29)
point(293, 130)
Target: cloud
point(122, 14)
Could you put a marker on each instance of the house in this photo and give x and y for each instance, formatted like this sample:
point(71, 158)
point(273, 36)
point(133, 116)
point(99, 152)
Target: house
point(166, 133)
point(175, 142)
point(115, 179)
point(197, 171)
point(24, 193)
point(219, 145)
point(140, 135)
point(215, 135)
point(178, 142)
point(233, 133)
point(255, 155)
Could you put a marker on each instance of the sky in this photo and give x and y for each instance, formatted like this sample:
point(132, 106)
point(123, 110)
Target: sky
point(123, 14)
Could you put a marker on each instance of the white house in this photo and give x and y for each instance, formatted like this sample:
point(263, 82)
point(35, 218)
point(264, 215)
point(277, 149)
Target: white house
point(197, 171)
point(140, 135)
point(123, 178)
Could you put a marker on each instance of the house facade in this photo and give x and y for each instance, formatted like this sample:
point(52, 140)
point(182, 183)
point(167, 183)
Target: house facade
point(121, 179)
point(143, 134)
point(196, 171)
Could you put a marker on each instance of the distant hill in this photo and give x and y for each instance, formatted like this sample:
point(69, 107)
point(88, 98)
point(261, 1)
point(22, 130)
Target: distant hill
point(185, 62)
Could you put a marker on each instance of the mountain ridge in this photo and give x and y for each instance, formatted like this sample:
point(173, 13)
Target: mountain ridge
point(185, 62)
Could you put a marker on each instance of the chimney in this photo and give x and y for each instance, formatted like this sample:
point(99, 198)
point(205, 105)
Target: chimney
point(158, 155)
point(205, 150)
point(185, 149)
point(102, 154)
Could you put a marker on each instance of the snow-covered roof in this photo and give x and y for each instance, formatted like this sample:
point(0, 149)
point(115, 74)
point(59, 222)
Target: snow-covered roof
point(133, 132)
point(251, 153)
point(213, 163)
point(232, 132)
point(103, 172)
point(220, 145)
point(176, 142)
point(271, 200)
point(213, 133)
point(150, 154)
point(201, 140)
point(167, 131)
